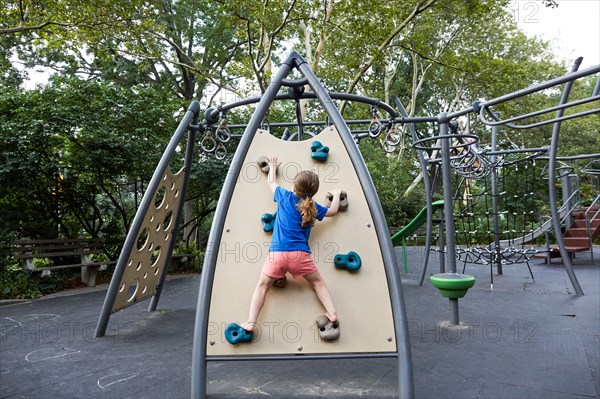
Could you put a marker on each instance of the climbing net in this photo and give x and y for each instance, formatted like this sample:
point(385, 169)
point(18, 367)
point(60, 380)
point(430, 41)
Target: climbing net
point(493, 226)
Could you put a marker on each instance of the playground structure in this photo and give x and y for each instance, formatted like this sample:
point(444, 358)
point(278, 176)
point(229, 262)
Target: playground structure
point(142, 267)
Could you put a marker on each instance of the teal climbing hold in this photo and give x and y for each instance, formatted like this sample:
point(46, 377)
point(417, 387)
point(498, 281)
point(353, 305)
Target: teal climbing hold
point(268, 221)
point(350, 261)
point(234, 334)
point(319, 152)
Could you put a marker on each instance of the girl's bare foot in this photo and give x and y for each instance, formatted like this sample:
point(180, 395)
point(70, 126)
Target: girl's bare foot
point(332, 318)
point(249, 325)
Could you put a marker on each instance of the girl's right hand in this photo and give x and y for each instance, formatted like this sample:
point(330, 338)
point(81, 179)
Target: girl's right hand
point(273, 160)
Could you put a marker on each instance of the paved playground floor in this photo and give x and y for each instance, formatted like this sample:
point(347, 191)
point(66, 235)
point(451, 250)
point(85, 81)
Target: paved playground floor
point(524, 339)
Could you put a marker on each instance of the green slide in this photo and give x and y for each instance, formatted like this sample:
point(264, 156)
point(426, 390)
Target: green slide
point(411, 228)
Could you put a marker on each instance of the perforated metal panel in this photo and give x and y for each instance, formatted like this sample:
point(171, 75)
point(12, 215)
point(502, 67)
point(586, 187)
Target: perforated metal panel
point(148, 257)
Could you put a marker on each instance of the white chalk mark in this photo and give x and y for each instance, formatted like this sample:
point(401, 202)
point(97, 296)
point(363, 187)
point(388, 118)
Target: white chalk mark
point(48, 356)
point(103, 386)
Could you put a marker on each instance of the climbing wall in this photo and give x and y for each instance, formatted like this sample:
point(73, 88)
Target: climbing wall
point(147, 259)
point(287, 322)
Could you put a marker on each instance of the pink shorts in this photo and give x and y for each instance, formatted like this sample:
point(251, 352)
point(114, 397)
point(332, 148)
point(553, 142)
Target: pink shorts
point(297, 263)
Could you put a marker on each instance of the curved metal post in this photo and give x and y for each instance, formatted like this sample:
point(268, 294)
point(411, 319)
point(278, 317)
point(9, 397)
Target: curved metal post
point(189, 157)
point(216, 231)
point(427, 183)
point(552, 187)
point(405, 372)
point(147, 200)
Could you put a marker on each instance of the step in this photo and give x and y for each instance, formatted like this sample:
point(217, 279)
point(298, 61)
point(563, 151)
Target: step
point(576, 249)
point(580, 214)
point(582, 223)
point(575, 232)
point(577, 242)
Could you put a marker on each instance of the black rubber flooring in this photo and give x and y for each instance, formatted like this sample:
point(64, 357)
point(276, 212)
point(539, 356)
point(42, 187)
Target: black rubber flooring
point(524, 339)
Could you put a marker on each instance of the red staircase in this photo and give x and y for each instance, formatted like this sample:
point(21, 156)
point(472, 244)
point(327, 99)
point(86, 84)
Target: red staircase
point(577, 237)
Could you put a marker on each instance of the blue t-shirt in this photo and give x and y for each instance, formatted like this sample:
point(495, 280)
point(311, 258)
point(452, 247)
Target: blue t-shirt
point(288, 233)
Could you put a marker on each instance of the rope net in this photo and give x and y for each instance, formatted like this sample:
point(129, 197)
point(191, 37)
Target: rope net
point(498, 226)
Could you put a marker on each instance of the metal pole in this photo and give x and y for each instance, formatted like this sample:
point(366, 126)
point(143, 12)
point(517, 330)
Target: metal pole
point(138, 220)
point(441, 240)
point(566, 194)
point(448, 208)
point(427, 183)
point(552, 189)
point(208, 271)
point(405, 372)
point(189, 156)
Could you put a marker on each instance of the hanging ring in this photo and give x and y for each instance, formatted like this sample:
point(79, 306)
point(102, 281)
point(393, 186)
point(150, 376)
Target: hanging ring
point(220, 152)
point(223, 134)
point(375, 128)
point(208, 143)
point(393, 138)
point(387, 147)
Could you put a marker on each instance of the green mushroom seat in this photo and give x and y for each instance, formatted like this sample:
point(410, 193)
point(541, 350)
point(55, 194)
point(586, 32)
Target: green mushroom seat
point(452, 285)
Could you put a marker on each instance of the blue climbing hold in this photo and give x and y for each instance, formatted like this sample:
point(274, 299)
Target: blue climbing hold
point(350, 261)
point(234, 334)
point(268, 221)
point(319, 152)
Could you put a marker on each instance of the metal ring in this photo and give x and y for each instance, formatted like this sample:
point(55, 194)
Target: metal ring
point(208, 143)
point(418, 146)
point(220, 152)
point(389, 148)
point(562, 172)
point(393, 138)
point(223, 134)
point(375, 128)
point(592, 167)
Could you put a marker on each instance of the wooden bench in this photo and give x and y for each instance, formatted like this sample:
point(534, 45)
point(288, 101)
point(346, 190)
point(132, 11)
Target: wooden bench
point(81, 249)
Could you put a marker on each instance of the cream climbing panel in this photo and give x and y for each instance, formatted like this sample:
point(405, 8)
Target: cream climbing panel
point(287, 322)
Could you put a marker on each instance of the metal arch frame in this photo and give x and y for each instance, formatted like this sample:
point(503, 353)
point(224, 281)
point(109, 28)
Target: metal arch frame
point(428, 195)
point(403, 352)
point(188, 120)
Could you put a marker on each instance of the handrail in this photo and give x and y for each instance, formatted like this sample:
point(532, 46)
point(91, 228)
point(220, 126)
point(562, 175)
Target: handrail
point(588, 221)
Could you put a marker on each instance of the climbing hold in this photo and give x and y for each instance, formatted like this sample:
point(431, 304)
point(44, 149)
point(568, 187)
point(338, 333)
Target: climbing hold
point(343, 200)
point(234, 334)
point(268, 221)
point(350, 261)
point(328, 330)
point(263, 163)
point(280, 282)
point(452, 285)
point(319, 152)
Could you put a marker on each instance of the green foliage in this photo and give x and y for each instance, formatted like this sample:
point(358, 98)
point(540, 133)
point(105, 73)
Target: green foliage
point(17, 284)
point(77, 155)
point(194, 264)
point(42, 262)
point(391, 177)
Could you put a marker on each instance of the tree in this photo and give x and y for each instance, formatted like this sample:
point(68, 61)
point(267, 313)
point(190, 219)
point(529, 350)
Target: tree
point(75, 153)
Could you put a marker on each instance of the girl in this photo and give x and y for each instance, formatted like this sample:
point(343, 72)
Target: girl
point(289, 251)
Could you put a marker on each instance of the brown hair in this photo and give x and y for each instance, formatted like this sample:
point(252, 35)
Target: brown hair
point(306, 185)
